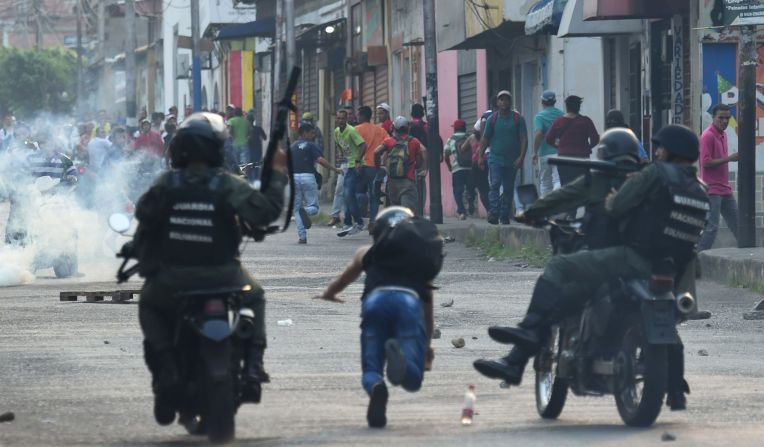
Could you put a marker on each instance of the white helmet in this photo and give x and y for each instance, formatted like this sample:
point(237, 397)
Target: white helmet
point(401, 122)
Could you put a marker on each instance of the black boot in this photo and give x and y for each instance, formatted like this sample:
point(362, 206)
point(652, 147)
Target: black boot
point(165, 384)
point(510, 368)
point(529, 335)
point(254, 375)
point(677, 385)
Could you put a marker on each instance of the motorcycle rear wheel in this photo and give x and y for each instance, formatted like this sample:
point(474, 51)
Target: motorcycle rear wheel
point(221, 411)
point(641, 377)
point(551, 391)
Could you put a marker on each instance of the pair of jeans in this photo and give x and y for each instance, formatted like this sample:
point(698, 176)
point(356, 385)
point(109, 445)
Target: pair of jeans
point(570, 173)
point(725, 206)
point(305, 196)
point(462, 181)
point(480, 179)
point(352, 210)
point(502, 179)
point(366, 190)
point(549, 177)
point(403, 192)
point(339, 192)
point(392, 313)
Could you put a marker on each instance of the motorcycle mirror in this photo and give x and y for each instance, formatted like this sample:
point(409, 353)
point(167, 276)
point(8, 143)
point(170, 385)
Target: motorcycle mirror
point(45, 183)
point(527, 194)
point(119, 222)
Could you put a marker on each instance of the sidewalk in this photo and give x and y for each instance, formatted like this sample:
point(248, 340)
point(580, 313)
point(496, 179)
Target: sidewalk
point(738, 267)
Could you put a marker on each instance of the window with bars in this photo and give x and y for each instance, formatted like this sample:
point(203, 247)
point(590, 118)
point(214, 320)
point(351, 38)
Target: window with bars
point(467, 103)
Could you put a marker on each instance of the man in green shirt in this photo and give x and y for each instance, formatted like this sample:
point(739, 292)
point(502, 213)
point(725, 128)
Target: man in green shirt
point(507, 136)
point(240, 132)
point(352, 146)
point(459, 162)
point(549, 179)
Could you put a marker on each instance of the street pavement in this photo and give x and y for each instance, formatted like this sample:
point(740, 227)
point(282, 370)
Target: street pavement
point(73, 373)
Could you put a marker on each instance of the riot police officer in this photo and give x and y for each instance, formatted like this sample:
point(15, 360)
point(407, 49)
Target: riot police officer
point(619, 146)
point(190, 225)
point(662, 209)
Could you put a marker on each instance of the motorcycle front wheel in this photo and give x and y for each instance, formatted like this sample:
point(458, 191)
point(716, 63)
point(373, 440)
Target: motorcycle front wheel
point(219, 419)
point(641, 376)
point(551, 391)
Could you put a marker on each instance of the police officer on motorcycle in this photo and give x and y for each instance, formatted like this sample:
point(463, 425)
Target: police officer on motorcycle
point(619, 146)
point(191, 223)
point(661, 211)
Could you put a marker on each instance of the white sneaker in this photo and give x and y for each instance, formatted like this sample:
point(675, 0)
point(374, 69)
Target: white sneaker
point(355, 229)
point(345, 230)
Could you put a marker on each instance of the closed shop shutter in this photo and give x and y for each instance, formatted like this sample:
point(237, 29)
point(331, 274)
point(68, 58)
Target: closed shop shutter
point(380, 87)
point(310, 83)
point(367, 89)
point(468, 97)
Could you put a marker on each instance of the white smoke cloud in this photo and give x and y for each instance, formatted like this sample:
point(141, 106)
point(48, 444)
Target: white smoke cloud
point(63, 223)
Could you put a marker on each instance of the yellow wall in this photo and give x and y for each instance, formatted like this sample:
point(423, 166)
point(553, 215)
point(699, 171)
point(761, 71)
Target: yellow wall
point(492, 17)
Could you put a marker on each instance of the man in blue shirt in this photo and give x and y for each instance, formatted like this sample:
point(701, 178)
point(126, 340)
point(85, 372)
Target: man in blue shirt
point(506, 134)
point(305, 154)
point(549, 179)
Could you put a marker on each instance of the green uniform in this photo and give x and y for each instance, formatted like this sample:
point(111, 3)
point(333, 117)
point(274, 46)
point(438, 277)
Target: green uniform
point(253, 208)
point(579, 274)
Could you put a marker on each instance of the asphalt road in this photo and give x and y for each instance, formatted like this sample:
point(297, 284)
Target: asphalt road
point(73, 373)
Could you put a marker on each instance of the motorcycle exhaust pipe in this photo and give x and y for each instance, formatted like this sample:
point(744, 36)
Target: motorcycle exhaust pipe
point(246, 326)
point(686, 304)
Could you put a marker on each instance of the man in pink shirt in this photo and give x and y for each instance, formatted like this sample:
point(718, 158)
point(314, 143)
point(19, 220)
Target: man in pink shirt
point(714, 171)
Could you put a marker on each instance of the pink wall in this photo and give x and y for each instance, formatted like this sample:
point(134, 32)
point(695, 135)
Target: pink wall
point(448, 111)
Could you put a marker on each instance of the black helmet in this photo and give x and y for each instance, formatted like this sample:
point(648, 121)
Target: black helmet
point(618, 142)
point(678, 141)
point(200, 137)
point(390, 217)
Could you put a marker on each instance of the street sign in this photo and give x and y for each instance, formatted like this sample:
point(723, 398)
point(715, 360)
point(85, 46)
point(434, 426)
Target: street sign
point(743, 12)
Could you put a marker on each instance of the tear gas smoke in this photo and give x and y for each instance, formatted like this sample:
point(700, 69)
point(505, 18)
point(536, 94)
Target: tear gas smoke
point(64, 226)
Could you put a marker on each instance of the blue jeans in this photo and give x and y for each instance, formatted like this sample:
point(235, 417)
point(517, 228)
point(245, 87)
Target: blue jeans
point(721, 206)
point(462, 181)
point(502, 177)
point(397, 314)
point(305, 196)
point(366, 190)
point(352, 210)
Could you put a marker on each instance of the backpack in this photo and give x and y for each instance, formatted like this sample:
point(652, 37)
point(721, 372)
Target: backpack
point(494, 115)
point(464, 158)
point(397, 163)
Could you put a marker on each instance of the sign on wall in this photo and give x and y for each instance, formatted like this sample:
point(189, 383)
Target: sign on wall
point(743, 12)
point(677, 71)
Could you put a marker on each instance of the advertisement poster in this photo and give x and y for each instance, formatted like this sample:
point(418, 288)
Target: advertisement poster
point(720, 80)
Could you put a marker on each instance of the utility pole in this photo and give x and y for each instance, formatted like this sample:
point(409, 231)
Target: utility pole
point(79, 57)
point(291, 54)
point(746, 166)
point(434, 145)
point(130, 64)
point(196, 57)
point(38, 26)
point(276, 78)
point(101, 28)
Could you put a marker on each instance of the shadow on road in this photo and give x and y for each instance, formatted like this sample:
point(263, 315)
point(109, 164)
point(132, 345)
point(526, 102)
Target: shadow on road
point(200, 440)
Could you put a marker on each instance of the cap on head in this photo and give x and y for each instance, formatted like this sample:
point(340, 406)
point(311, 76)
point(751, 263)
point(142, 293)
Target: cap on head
point(678, 141)
point(459, 124)
point(385, 106)
point(504, 93)
point(549, 96)
point(308, 116)
point(401, 122)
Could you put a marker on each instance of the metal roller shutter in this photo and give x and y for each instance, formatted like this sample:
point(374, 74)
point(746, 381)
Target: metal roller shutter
point(468, 97)
point(380, 85)
point(368, 83)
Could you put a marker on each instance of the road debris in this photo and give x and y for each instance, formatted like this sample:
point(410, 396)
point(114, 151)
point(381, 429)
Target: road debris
point(436, 334)
point(668, 437)
point(8, 416)
point(287, 322)
point(447, 304)
point(458, 343)
point(703, 353)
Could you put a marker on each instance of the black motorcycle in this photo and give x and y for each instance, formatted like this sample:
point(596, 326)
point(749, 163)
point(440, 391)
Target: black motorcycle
point(618, 344)
point(210, 333)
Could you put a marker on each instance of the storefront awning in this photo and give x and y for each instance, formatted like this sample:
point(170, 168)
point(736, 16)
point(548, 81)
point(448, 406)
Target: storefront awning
point(573, 24)
point(257, 28)
point(545, 17)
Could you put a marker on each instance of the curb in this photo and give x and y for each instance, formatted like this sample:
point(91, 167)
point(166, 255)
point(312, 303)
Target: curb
point(732, 267)
point(515, 236)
